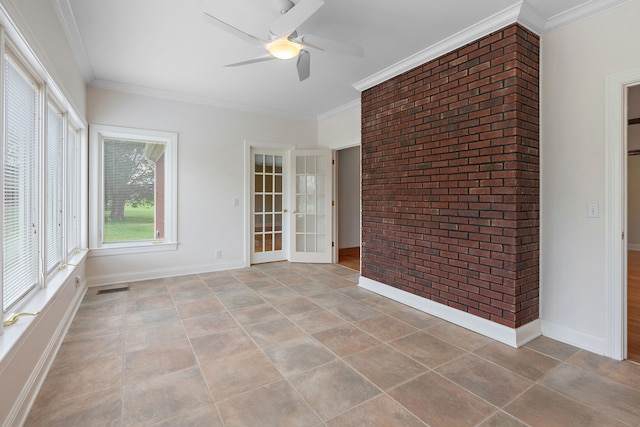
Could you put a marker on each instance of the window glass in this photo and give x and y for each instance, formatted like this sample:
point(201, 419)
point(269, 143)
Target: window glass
point(73, 175)
point(129, 190)
point(20, 202)
point(55, 190)
point(42, 138)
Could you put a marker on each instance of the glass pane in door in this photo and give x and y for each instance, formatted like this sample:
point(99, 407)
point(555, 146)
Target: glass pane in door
point(310, 234)
point(268, 204)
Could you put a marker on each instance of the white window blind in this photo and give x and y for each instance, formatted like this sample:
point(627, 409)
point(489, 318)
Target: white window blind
point(73, 164)
point(55, 189)
point(20, 204)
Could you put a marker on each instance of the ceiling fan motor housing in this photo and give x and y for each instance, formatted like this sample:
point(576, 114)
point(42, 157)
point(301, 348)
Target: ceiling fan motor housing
point(284, 5)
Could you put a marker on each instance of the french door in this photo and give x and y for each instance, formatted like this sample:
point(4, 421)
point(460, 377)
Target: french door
point(267, 219)
point(291, 205)
point(310, 212)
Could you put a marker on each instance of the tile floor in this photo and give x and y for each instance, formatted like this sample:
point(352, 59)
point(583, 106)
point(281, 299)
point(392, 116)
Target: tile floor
point(300, 345)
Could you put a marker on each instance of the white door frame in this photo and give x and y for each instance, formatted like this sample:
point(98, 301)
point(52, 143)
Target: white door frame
point(336, 197)
point(616, 209)
point(248, 234)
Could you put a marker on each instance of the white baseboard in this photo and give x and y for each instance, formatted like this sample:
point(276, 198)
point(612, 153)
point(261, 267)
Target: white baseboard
point(633, 246)
point(112, 279)
point(589, 342)
point(513, 337)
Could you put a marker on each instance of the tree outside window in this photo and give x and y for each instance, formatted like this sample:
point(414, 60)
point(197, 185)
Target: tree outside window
point(132, 190)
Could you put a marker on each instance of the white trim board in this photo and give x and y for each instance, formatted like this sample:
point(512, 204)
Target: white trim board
point(356, 103)
point(579, 13)
point(512, 337)
point(198, 100)
point(112, 279)
point(592, 343)
point(470, 34)
point(521, 13)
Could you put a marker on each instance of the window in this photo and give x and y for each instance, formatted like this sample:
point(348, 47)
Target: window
point(73, 188)
point(40, 180)
point(133, 184)
point(20, 184)
point(55, 190)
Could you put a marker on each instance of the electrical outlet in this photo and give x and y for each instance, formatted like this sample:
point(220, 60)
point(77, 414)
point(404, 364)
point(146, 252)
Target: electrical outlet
point(219, 254)
point(78, 281)
point(593, 210)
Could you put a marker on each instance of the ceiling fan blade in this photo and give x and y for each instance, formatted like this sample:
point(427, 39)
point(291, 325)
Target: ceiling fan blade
point(234, 31)
point(304, 65)
point(329, 45)
point(291, 20)
point(262, 58)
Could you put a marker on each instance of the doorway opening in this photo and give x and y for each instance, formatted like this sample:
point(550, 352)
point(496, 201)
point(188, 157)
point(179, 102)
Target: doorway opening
point(348, 212)
point(633, 223)
point(288, 194)
point(616, 250)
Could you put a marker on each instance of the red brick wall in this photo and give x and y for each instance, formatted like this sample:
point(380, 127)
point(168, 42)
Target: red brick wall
point(450, 179)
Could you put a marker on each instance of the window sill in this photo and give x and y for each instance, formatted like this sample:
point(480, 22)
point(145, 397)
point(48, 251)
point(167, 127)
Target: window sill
point(134, 248)
point(11, 336)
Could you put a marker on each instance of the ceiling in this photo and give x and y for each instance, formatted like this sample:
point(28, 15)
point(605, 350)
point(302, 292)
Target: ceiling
point(166, 48)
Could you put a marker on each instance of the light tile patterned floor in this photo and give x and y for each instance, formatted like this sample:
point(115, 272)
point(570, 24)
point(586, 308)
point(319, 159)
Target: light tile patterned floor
point(300, 345)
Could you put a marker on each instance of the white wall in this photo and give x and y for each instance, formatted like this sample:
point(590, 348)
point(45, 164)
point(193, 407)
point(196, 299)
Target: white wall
point(340, 130)
point(349, 197)
point(24, 365)
point(210, 174)
point(575, 62)
point(38, 22)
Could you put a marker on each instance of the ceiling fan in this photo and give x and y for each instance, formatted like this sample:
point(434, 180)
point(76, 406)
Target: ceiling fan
point(284, 41)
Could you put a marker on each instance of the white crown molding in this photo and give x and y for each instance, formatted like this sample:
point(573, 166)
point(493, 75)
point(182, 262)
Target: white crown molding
point(68, 22)
point(18, 31)
point(580, 13)
point(193, 99)
point(468, 35)
point(522, 13)
point(344, 107)
point(531, 18)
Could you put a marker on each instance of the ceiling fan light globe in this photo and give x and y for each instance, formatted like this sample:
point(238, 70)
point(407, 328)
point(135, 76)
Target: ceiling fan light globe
point(283, 49)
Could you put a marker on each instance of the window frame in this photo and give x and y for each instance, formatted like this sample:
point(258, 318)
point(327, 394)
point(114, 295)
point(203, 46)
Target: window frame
point(97, 134)
point(52, 194)
point(48, 94)
point(9, 52)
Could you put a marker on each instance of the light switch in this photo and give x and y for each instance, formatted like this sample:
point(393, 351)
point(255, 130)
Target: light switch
point(235, 201)
point(593, 210)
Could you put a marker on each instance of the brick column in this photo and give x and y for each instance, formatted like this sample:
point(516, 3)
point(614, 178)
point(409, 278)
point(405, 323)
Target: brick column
point(450, 179)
